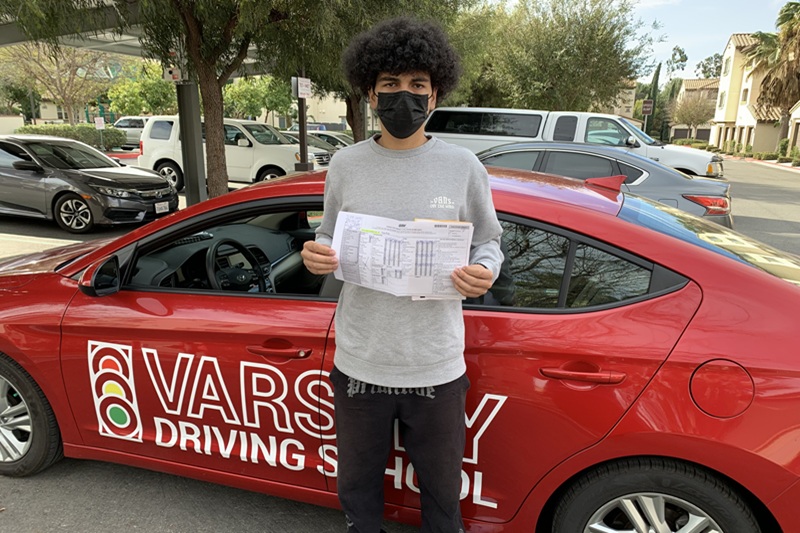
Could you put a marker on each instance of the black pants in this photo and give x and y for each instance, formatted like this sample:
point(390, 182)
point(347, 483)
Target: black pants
point(432, 431)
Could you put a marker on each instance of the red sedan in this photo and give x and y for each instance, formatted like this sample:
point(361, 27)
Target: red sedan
point(634, 368)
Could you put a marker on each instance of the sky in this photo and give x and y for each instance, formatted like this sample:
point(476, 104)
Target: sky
point(703, 27)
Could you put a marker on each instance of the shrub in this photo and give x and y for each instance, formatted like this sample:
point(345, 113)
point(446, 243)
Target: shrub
point(747, 154)
point(758, 155)
point(796, 162)
point(85, 133)
point(770, 156)
point(783, 146)
point(700, 145)
point(795, 152)
point(783, 159)
point(683, 142)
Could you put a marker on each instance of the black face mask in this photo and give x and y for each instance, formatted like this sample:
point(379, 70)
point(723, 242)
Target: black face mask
point(402, 113)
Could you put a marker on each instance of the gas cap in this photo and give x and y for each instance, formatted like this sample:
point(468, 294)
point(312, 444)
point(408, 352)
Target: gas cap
point(722, 388)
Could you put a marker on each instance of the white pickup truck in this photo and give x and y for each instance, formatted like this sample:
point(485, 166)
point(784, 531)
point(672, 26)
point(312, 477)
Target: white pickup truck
point(480, 128)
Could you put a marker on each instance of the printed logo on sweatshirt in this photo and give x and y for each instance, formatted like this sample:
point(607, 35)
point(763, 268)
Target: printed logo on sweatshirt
point(442, 202)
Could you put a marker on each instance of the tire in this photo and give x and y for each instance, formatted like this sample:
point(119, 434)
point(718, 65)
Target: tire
point(73, 214)
point(29, 437)
point(268, 173)
point(595, 502)
point(172, 172)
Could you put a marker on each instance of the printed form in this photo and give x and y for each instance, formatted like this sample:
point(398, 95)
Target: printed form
point(404, 258)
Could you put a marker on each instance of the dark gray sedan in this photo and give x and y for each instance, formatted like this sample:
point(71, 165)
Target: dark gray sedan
point(77, 186)
point(706, 197)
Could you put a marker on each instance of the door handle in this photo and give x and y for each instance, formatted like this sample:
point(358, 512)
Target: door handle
point(288, 353)
point(608, 377)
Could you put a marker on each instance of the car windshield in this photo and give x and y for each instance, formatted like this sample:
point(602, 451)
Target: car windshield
point(71, 156)
point(266, 135)
point(711, 236)
point(645, 138)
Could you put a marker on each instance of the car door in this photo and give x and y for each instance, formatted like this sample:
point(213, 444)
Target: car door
point(216, 380)
point(238, 158)
point(567, 338)
point(22, 192)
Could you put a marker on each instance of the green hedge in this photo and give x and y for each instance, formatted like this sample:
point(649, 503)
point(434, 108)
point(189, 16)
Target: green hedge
point(684, 142)
point(85, 133)
point(784, 160)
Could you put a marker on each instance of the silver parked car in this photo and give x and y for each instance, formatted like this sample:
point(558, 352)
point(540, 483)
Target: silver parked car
point(77, 186)
point(133, 127)
point(706, 197)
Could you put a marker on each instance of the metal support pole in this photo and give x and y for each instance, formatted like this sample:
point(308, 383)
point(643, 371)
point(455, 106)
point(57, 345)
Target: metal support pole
point(191, 134)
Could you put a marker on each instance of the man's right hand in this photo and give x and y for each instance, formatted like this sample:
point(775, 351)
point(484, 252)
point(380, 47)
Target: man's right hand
point(318, 258)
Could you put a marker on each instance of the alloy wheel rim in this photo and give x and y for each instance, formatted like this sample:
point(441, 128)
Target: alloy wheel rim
point(170, 174)
point(15, 423)
point(75, 214)
point(647, 512)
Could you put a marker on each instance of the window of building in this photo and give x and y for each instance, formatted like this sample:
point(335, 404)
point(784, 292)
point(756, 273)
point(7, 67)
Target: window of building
point(727, 66)
point(745, 95)
point(721, 102)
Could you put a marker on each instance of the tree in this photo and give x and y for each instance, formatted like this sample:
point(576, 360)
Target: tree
point(569, 54)
point(654, 97)
point(145, 92)
point(71, 77)
point(710, 67)
point(15, 97)
point(693, 110)
point(676, 62)
point(774, 60)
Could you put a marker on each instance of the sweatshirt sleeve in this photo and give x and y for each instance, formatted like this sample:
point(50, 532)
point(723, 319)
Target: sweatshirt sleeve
point(487, 230)
point(331, 208)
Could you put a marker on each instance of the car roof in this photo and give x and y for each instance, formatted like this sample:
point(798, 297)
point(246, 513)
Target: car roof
point(27, 137)
point(611, 151)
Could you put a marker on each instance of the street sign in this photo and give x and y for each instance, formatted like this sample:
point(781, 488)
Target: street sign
point(301, 87)
point(647, 107)
point(99, 123)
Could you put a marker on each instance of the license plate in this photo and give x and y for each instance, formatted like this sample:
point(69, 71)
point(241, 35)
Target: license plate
point(162, 207)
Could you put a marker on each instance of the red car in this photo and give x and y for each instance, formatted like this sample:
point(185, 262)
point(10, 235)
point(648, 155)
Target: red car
point(633, 369)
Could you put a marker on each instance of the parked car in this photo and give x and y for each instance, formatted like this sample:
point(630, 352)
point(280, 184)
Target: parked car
point(72, 183)
point(253, 151)
point(311, 141)
point(634, 368)
point(481, 128)
point(133, 127)
point(336, 138)
point(309, 126)
point(706, 197)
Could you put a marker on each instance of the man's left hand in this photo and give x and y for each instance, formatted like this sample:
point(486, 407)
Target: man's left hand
point(472, 281)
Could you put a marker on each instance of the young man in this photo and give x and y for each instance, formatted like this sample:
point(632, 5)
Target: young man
point(398, 358)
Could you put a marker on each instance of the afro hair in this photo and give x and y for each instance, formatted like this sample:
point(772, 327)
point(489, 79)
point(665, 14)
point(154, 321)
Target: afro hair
point(399, 46)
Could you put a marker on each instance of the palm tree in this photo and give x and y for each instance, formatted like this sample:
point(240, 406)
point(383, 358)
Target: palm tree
point(776, 56)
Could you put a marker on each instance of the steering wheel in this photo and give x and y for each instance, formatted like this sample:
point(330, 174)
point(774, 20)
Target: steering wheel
point(234, 277)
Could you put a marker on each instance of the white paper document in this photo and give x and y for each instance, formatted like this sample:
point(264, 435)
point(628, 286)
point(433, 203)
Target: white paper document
point(404, 258)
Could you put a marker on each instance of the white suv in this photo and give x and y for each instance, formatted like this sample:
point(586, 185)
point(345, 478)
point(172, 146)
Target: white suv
point(253, 151)
point(132, 126)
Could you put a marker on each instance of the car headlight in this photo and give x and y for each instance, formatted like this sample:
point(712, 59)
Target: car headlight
point(112, 191)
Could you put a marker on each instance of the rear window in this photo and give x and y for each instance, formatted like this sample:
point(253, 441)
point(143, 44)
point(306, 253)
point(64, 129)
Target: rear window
point(484, 123)
point(161, 129)
point(711, 236)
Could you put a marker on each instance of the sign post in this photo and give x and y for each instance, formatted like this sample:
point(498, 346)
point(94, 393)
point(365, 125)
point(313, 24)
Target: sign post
point(100, 124)
point(647, 110)
point(301, 89)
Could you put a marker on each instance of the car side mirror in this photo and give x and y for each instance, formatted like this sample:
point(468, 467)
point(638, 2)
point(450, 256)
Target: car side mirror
point(26, 165)
point(243, 142)
point(631, 141)
point(101, 278)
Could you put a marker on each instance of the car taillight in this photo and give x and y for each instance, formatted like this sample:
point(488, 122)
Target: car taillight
point(141, 147)
point(715, 205)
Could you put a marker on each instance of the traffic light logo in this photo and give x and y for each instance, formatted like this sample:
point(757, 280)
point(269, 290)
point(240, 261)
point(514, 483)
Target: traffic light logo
point(111, 373)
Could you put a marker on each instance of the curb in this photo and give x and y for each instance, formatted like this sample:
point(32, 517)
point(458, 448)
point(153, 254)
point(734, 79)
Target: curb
point(773, 164)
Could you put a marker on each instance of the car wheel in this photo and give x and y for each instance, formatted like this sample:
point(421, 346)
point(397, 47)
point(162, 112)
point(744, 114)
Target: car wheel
point(73, 214)
point(172, 172)
point(652, 495)
point(268, 173)
point(29, 436)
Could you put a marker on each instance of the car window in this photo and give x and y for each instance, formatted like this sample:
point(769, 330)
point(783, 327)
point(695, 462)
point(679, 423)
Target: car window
point(632, 173)
point(601, 130)
point(548, 268)
point(565, 128)
point(256, 254)
point(509, 124)
point(10, 153)
point(161, 129)
point(520, 160)
point(232, 135)
point(137, 123)
point(266, 135)
point(581, 166)
point(69, 155)
point(122, 123)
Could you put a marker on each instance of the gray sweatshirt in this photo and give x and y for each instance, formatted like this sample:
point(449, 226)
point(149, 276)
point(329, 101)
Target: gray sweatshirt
point(396, 341)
